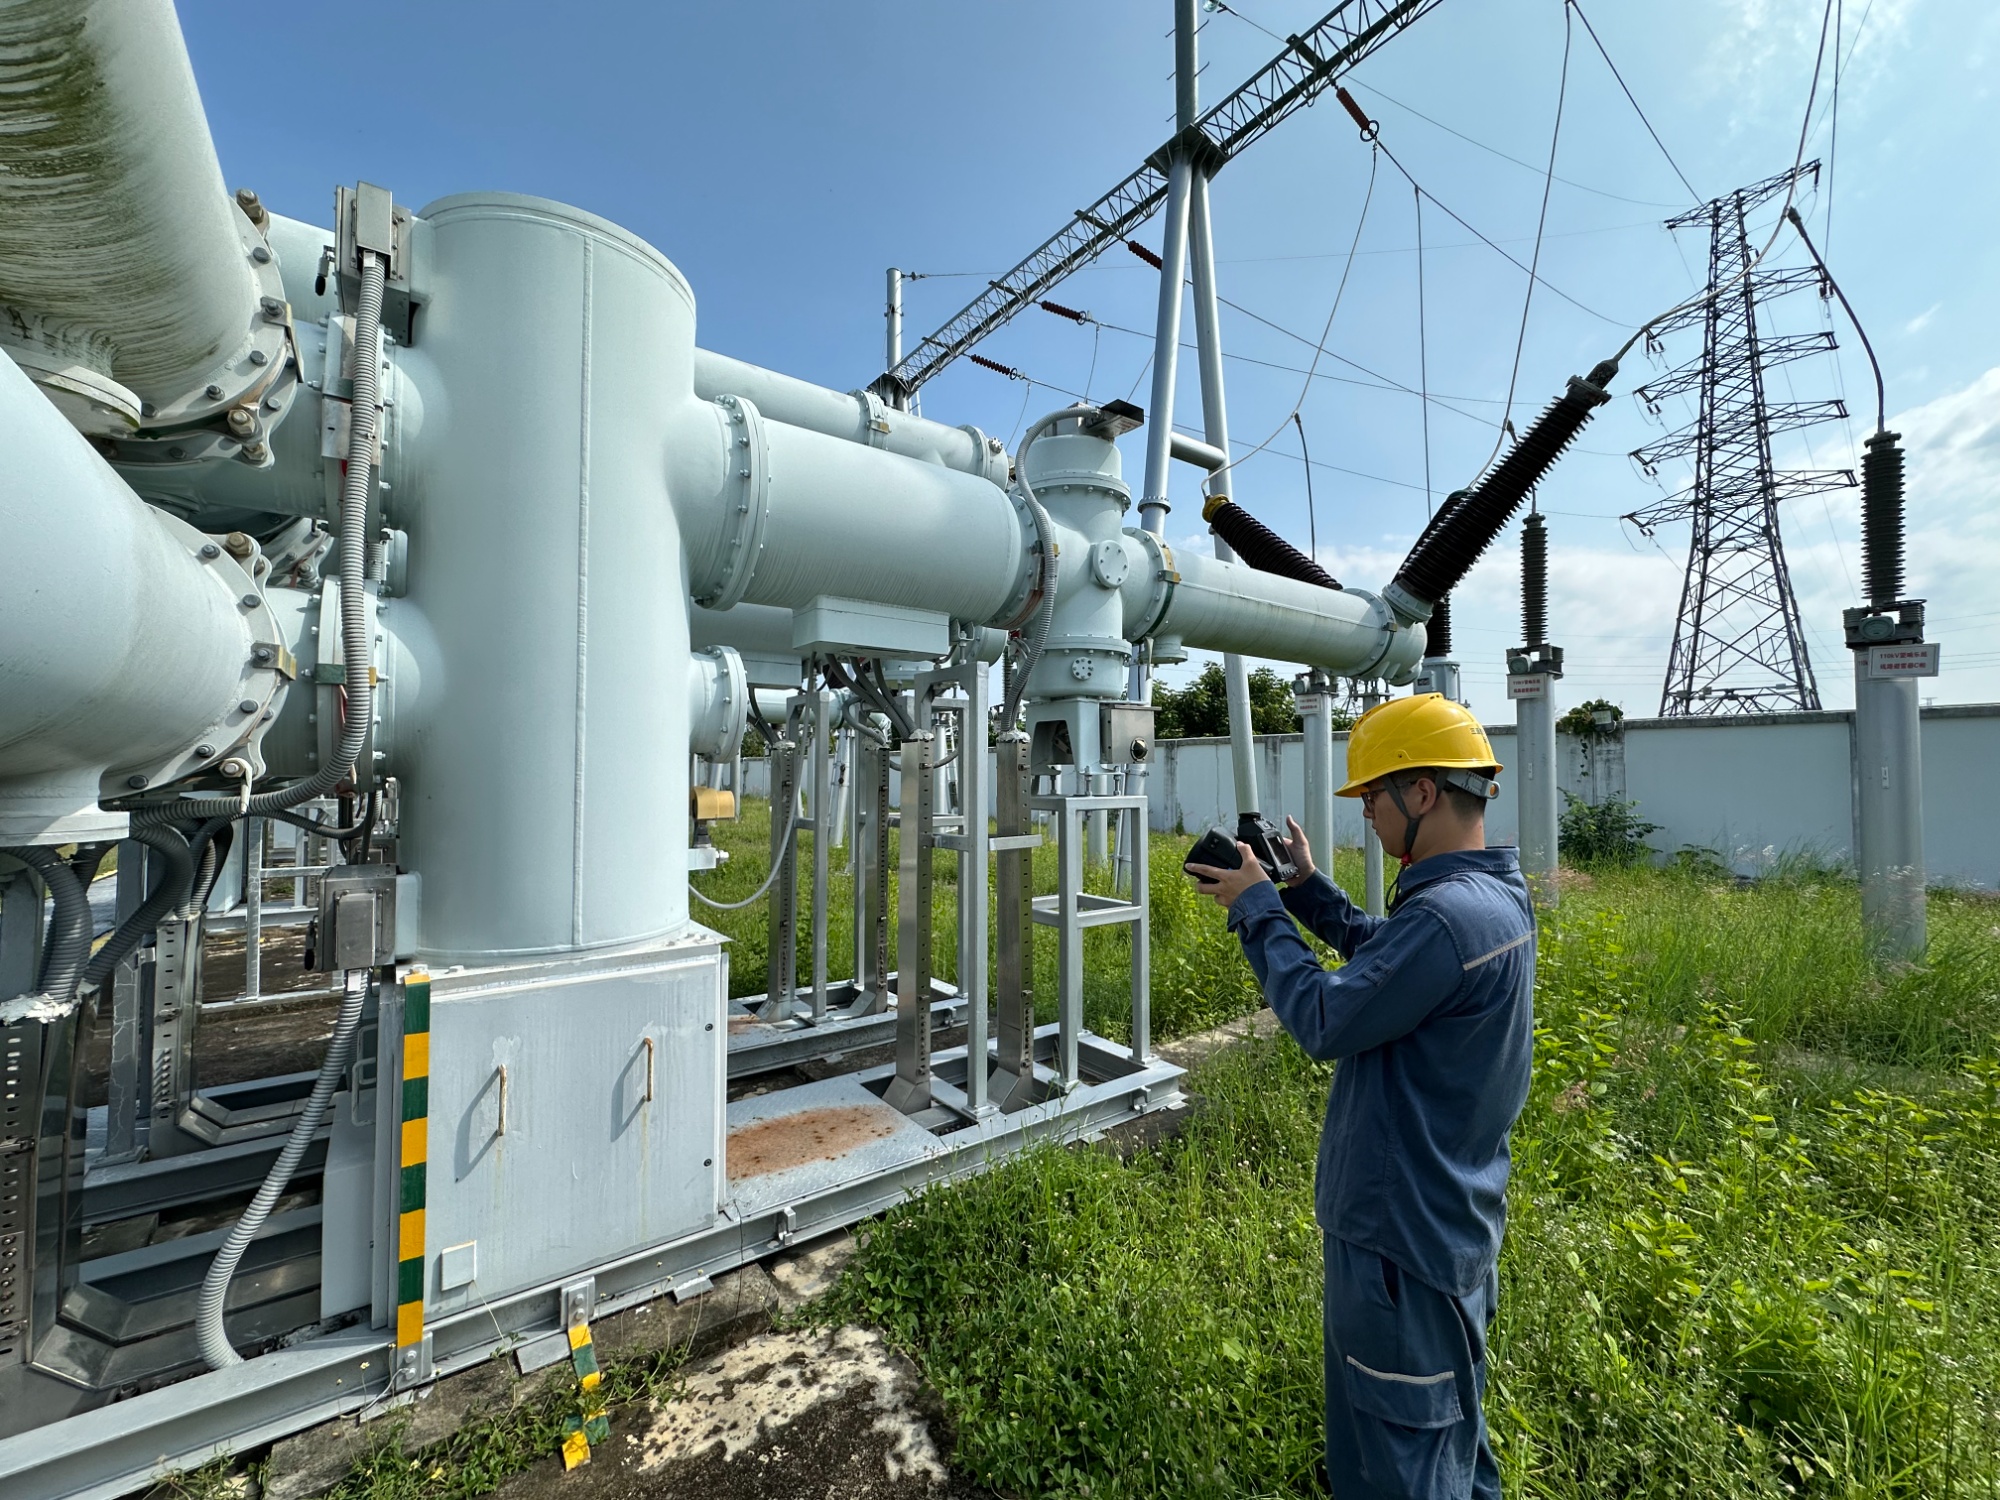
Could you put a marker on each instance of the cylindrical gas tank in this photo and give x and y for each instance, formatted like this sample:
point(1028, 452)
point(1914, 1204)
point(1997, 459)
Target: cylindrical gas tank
point(546, 766)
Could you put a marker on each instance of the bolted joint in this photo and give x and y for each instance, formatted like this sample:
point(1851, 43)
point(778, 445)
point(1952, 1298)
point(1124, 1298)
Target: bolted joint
point(242, 421)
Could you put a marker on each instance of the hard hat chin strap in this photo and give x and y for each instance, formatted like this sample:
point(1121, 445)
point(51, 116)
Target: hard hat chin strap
point(1411, 822)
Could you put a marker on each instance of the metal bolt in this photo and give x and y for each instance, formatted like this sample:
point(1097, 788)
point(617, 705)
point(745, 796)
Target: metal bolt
point(213, 392)
point(239, 544)
point(272, 403)
point(247, 706)
point(242, 421)
point(262, 654)
point(135, 781)
point(261, 254)
point(233, 767)
point(255, 453)
point(273, 308)
point(147, 409)
point(177, 451)
point(210, 551)
point(259, 357)
point(203, 752)
point(250, 601)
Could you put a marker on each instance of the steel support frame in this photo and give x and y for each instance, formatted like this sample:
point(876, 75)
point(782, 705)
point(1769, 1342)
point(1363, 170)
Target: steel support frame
point(1071, 909)
point(117, 1448)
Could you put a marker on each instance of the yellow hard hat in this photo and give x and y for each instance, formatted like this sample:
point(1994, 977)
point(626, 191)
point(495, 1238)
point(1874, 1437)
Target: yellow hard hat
point(1409, 734)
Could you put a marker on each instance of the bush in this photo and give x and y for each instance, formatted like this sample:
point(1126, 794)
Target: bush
point(1610, 833)
point(1581, 721)
point(1201, 709)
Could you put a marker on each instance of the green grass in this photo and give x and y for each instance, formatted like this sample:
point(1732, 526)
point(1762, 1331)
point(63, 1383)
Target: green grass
point(1754, 1246)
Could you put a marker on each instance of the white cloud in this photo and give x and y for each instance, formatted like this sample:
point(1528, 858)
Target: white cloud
point(1923, 319)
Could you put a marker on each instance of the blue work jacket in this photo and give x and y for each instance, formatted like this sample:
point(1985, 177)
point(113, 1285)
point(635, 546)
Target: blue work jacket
point(1432, 1021)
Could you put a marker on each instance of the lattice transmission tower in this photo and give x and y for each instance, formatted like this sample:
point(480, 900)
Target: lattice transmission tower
point(1738, 644)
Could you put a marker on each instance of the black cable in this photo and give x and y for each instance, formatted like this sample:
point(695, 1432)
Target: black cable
point(1881, 391)
point(1312, 513)
point(1577, 6)
point(168, 893)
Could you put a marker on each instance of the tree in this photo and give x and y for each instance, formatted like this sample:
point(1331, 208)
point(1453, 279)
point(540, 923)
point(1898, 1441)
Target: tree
point(1201, 709)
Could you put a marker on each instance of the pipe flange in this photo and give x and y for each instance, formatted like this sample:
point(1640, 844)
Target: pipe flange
point(1401, 656)
point(235, 738)
point(992, 455)
point(1159, 564)
point(1026, 597)
point(71, 369)
point(230, 410)
point(748, 455)
point(874, 418)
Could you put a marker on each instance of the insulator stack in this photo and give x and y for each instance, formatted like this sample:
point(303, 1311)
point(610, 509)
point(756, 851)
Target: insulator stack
point(1259, 546)
point(1437, 630)
point(1882, 518)
point(1535, 579)
point(1444, 555)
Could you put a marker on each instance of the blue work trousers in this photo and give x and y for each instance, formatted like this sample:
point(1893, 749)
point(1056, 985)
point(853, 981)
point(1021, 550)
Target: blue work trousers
point(1405, 1372)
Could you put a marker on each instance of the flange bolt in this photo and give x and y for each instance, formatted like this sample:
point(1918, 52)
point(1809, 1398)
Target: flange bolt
point(239, 544)
point(203, 752)
point(242, 421)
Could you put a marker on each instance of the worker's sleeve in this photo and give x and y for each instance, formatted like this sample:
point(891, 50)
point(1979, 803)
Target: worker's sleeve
point(1330, 915)
point(1410, 968)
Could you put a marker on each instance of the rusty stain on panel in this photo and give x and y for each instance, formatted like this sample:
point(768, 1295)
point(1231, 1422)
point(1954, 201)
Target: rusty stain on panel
point(811, 1135)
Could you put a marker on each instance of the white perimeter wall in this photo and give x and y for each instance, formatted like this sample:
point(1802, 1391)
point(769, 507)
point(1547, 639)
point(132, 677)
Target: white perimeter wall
point(1751, 789)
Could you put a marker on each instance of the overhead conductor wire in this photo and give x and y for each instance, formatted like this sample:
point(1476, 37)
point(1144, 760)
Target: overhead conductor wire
point(1535, 259)
point(1326, 329)
point(1791, 192)
point(1423, 352)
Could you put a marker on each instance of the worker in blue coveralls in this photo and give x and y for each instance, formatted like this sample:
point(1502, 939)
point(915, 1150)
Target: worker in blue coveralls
point(1431, 1021)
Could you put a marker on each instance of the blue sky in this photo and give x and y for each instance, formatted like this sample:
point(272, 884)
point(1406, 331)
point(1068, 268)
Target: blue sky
point(784, 154)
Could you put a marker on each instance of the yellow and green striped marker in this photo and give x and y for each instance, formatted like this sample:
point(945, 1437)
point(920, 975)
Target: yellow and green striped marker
point(415, 1153)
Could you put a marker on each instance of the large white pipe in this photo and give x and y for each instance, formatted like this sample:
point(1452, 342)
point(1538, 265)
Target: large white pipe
point(856, 417)
point(119, 246)
point(121, 645)
point(1230, 606)
point(830, 517)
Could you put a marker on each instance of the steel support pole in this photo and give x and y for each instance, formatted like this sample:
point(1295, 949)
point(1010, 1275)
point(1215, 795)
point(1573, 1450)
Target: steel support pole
point(1012, 1085)
point(894, 332)
point(782, 921)
point(1215, 424)
point(1373, 895)
point(1315, 700)
point(1535, 781)
point(1166, 369)
point(910, 1090)
point(843, 788)
point(1889, 808)
point(822, 824)
point(972, 882)
point(871, 874)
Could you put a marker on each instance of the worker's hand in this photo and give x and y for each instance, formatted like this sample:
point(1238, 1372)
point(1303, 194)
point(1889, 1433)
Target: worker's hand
point(1224, 886)
point(1302, 854)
